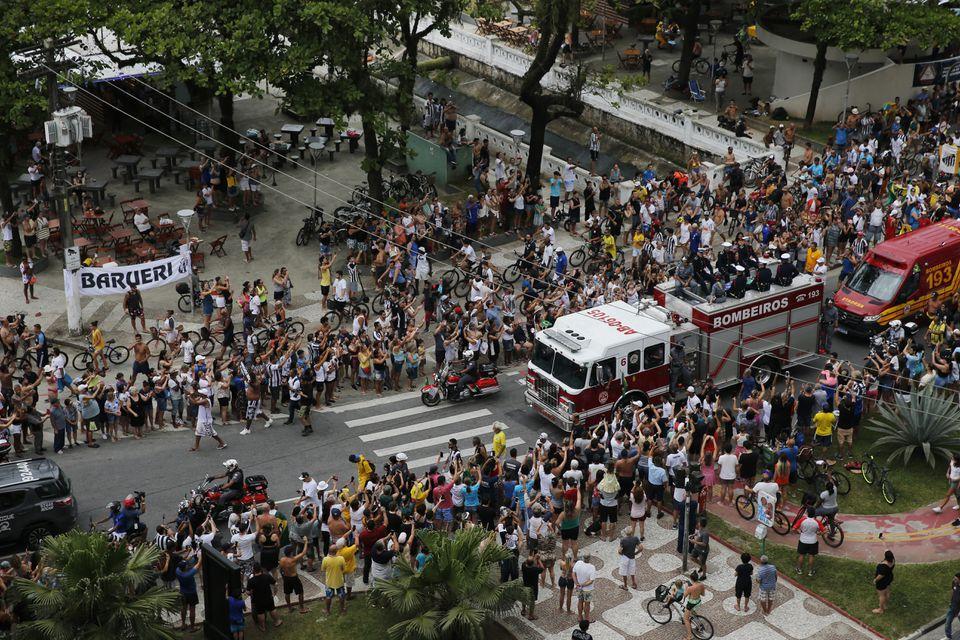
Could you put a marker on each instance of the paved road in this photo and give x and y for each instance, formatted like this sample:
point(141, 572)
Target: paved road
point(161, 466)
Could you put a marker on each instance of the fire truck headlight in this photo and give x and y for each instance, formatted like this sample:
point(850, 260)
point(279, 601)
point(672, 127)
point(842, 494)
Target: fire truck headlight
point(871, 318)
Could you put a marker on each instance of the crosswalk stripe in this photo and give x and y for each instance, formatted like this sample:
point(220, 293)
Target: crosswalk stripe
point(426, 462)
point(421, 426)
point(113, 318)
point(393, 415)
point(431, 442)
point(91, 307)
point(376, 402)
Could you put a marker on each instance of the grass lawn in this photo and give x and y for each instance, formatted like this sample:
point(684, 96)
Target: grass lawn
point(920, 592)
point(916, 485)
point(360, 621)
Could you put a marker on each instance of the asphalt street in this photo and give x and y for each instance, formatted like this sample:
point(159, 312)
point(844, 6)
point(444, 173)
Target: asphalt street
point(161, 466)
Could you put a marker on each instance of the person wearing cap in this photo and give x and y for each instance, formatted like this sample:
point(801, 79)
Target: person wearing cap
point(738, 287)
point(786, 271)
point(767, 582)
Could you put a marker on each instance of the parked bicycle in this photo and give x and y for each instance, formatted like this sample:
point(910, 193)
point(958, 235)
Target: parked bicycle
point(311, 225)
point(661, 608)
point(698, 65)
point(337, 316)
point(292, 329)
point(872, 472)
point(116, 354)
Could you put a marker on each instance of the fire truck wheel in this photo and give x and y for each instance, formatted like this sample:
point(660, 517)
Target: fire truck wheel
point(628, 397)
point(766, 366)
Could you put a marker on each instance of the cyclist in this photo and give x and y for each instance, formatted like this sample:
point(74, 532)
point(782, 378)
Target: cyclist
point(98, 343)
point(828, 505)
point(693, 593)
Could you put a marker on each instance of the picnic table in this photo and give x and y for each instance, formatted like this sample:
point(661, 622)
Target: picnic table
point(97, 189)
point(153, 178)
point(294, 131)
point(129, 163)
point(207, 146)
point(630, 58)
point(169, 154)
point(327, 124)
point(119, 235)
point(75, 169)
point(185, 166)
point(24, 180)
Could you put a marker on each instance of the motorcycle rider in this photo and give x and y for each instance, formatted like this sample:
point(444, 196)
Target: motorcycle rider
point(232, 489)
point(468, 372)
point(125, 516)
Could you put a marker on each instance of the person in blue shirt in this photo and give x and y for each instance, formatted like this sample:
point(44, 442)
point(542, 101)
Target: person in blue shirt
point(187, 580)
point(422, 558)
point(235, 609)
point(656, 479)
point(555, 184)
point(649, 174)
point(561, 261)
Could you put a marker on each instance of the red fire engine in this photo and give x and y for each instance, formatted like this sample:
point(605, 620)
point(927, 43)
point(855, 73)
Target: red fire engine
point(594, 361)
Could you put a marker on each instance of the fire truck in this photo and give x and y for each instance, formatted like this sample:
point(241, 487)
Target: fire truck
point(592, 362)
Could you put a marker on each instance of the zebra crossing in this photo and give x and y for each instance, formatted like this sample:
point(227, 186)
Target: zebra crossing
point(401, 423)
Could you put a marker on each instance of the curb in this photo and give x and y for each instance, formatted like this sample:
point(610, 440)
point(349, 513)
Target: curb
point(925, 629)
point(783, 575)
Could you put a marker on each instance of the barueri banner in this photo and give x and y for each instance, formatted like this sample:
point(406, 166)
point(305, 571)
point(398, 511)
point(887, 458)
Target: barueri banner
point(107, 281)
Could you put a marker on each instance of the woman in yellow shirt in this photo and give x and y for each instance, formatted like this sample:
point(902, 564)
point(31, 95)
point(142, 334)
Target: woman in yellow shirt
point(499, 440)
point(323, 272)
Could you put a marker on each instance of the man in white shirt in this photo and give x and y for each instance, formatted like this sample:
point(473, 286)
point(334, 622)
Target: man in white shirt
point(187, 349)
point(584, 575)
point(142, 222)
point(467, 256)
point(341, 292)
point(312, 490)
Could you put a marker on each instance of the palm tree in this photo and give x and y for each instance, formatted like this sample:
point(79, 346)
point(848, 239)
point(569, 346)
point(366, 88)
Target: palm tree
point(455, 593)
point(929, 424)
point(98, 591)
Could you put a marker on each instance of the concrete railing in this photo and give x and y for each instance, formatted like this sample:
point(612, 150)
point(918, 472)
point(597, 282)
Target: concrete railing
point(685, 125)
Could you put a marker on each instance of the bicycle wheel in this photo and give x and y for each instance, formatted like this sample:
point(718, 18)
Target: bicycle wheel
point(193, 335)
point(156, 345)
point(359, 307)
point(358, 194)
point(294, 330)
point(887, 491)
point(702, 66)
point(118, 355)
point(81, 360)
point(450, 278)
point(577, 257)
point(842, 482)
point(511, 274)
point(701, 627)
point(333, 319)
point(204, 346)
point(302, 237)
point(659, 612)
point(676, 66)
point(746, 507)
point(780, 523)
point(184, 303)
point(808, 469)
point(833, 536)
point(263, 336)
point(462, 288)
point(378, 301)
point(869, 472)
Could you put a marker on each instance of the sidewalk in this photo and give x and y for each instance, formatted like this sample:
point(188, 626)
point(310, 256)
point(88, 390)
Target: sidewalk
point(920, 535)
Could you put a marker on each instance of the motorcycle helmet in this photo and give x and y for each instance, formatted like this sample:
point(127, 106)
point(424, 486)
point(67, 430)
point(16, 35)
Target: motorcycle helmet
point(183, 506)
point(895, 324)
point(113, 507)
point(129, 502)
point(230, 464)
point(467, 354)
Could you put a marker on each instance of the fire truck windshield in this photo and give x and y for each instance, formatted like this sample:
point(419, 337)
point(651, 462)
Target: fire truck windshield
point(559, 366)
point(875, 281)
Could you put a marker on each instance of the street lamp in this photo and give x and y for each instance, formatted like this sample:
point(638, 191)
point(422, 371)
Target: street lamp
point(850, 59)
point(315, 150)
point(186, 217)
point(517, 135)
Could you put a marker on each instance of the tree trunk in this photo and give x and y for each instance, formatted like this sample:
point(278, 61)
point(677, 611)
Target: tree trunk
point(372, 162)
point(226, 133)
point(408, 78)
point(538, 128)
point(819, 64)
point(691, 20)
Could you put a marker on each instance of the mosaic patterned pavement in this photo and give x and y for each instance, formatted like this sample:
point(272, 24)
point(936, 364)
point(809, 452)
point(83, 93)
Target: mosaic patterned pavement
point(621, 615)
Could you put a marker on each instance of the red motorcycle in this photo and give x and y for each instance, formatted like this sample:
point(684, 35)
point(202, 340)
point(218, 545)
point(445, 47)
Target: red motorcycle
point(254, 492)
point(445, 384)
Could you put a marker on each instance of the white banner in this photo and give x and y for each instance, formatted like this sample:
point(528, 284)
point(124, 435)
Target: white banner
point(106, 281)
point(948, 159)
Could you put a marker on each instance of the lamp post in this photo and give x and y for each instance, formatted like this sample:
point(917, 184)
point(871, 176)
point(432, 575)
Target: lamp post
point(186, 217)
point(517, 135)
point(315, 150)
point(850, 59)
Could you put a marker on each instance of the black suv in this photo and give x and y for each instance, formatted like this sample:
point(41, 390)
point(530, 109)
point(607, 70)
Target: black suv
point(35, 501)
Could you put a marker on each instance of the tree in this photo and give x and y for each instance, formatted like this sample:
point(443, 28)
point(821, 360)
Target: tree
point(226, 51)
point(455, 593)
point(690, 22)
point(928, 425)
point(857, 25)
point(98, 590)
point(554, 18)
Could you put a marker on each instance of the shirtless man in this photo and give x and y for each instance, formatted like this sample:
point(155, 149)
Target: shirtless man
point(693, 594)
point(254, 407)
point(141, 356)
point(288, 572)
point(337, 525)
point(8, 336)
point(133, 304)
